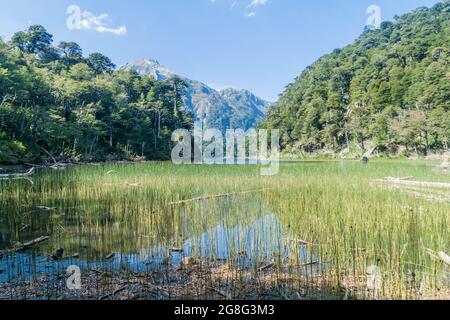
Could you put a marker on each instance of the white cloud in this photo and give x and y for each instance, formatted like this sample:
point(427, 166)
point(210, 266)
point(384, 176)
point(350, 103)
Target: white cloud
point(250, 6)
point(100, 23)
point(257, 3)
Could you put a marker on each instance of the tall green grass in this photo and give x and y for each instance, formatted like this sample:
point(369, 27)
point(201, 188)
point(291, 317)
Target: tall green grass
point(333, 213)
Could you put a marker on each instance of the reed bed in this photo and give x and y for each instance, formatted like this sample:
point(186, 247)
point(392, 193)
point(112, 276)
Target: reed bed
point(318, 230)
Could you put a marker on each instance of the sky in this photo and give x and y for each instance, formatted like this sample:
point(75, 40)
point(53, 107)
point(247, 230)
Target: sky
point(259, 45)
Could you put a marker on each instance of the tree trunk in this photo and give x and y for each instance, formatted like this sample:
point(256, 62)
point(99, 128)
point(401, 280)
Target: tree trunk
point(142, 149)
point(427, 143)
point(175, 111)
point(110, 135)
point(75, 142)
point(91, 148)
point(159, 124)
point(346, 140)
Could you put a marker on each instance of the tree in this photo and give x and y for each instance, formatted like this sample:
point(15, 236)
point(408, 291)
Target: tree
point(100, 63)
point(48, 55)
point(81, 109)
point(71, 53)
point(179, 87)
point(81, 71)
point(388, 89)
point(19, 40)
point(37, 39)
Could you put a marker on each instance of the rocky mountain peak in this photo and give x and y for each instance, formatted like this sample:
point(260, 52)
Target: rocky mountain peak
point(222, 109)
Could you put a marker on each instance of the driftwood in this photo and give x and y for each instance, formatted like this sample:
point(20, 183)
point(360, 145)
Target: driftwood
point(303, 242)
point(17, 175)
point(309, 264)
point(111, 295)
point(31, 243)
point(26, 246)
point(266, 267)
point(442, 256)
point(110, 256)
point(421, 195)
point(46, 208)
point(220, 293)
point(126, 184)
point(404, 181)
point(210, 197)
point(50, 155)
point(369, 153)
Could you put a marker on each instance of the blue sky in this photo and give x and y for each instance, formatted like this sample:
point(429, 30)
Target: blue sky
point(260, 45)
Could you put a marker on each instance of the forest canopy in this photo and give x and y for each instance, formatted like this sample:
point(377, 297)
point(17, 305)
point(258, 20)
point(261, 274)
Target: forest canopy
point(57, 104)
point(389, 90)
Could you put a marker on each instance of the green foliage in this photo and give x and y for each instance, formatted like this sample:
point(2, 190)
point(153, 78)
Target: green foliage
point(100, 63)
point(390, 89)
point(55, 101)
point(71, 53)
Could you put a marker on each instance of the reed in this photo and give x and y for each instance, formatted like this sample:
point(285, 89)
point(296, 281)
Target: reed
point(317, 230)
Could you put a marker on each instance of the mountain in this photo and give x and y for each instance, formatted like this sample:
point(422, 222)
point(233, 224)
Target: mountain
point(221, 109)
point(389, 90)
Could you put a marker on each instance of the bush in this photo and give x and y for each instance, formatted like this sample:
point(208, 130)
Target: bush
point(11, 152)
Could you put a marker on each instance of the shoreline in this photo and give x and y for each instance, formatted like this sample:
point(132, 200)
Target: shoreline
point(6, 166)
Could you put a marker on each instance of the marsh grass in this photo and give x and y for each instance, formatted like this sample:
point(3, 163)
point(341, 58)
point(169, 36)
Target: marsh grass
point(313, 231)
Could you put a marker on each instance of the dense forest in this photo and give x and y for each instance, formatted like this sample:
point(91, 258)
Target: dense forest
point(389, 91)
point(57, 105)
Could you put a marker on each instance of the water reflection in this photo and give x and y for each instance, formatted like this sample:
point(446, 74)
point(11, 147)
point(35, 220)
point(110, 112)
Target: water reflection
point(244, 246)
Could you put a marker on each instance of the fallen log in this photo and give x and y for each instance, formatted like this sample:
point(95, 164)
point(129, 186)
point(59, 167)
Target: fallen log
point(113, 294)
point(46, 208)
point(444, 257)
point(30, 244)
point(402, 181)
point(420, 194)
point(312, 263)
point(17, 175)
point(210, 197)
point(266, 267)
point(110, 256)
point(303, 242)
point(220, 293)
point(441, 256)
point(395, 179)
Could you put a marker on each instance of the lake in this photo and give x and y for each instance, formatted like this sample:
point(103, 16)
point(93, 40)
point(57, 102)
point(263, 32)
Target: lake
point(315, 230)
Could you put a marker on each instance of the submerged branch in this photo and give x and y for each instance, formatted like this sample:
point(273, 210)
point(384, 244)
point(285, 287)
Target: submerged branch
point(26, 245)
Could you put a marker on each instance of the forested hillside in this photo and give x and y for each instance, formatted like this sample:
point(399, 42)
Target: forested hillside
point(220, 109)
point(55, 103)
point(390, 89)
